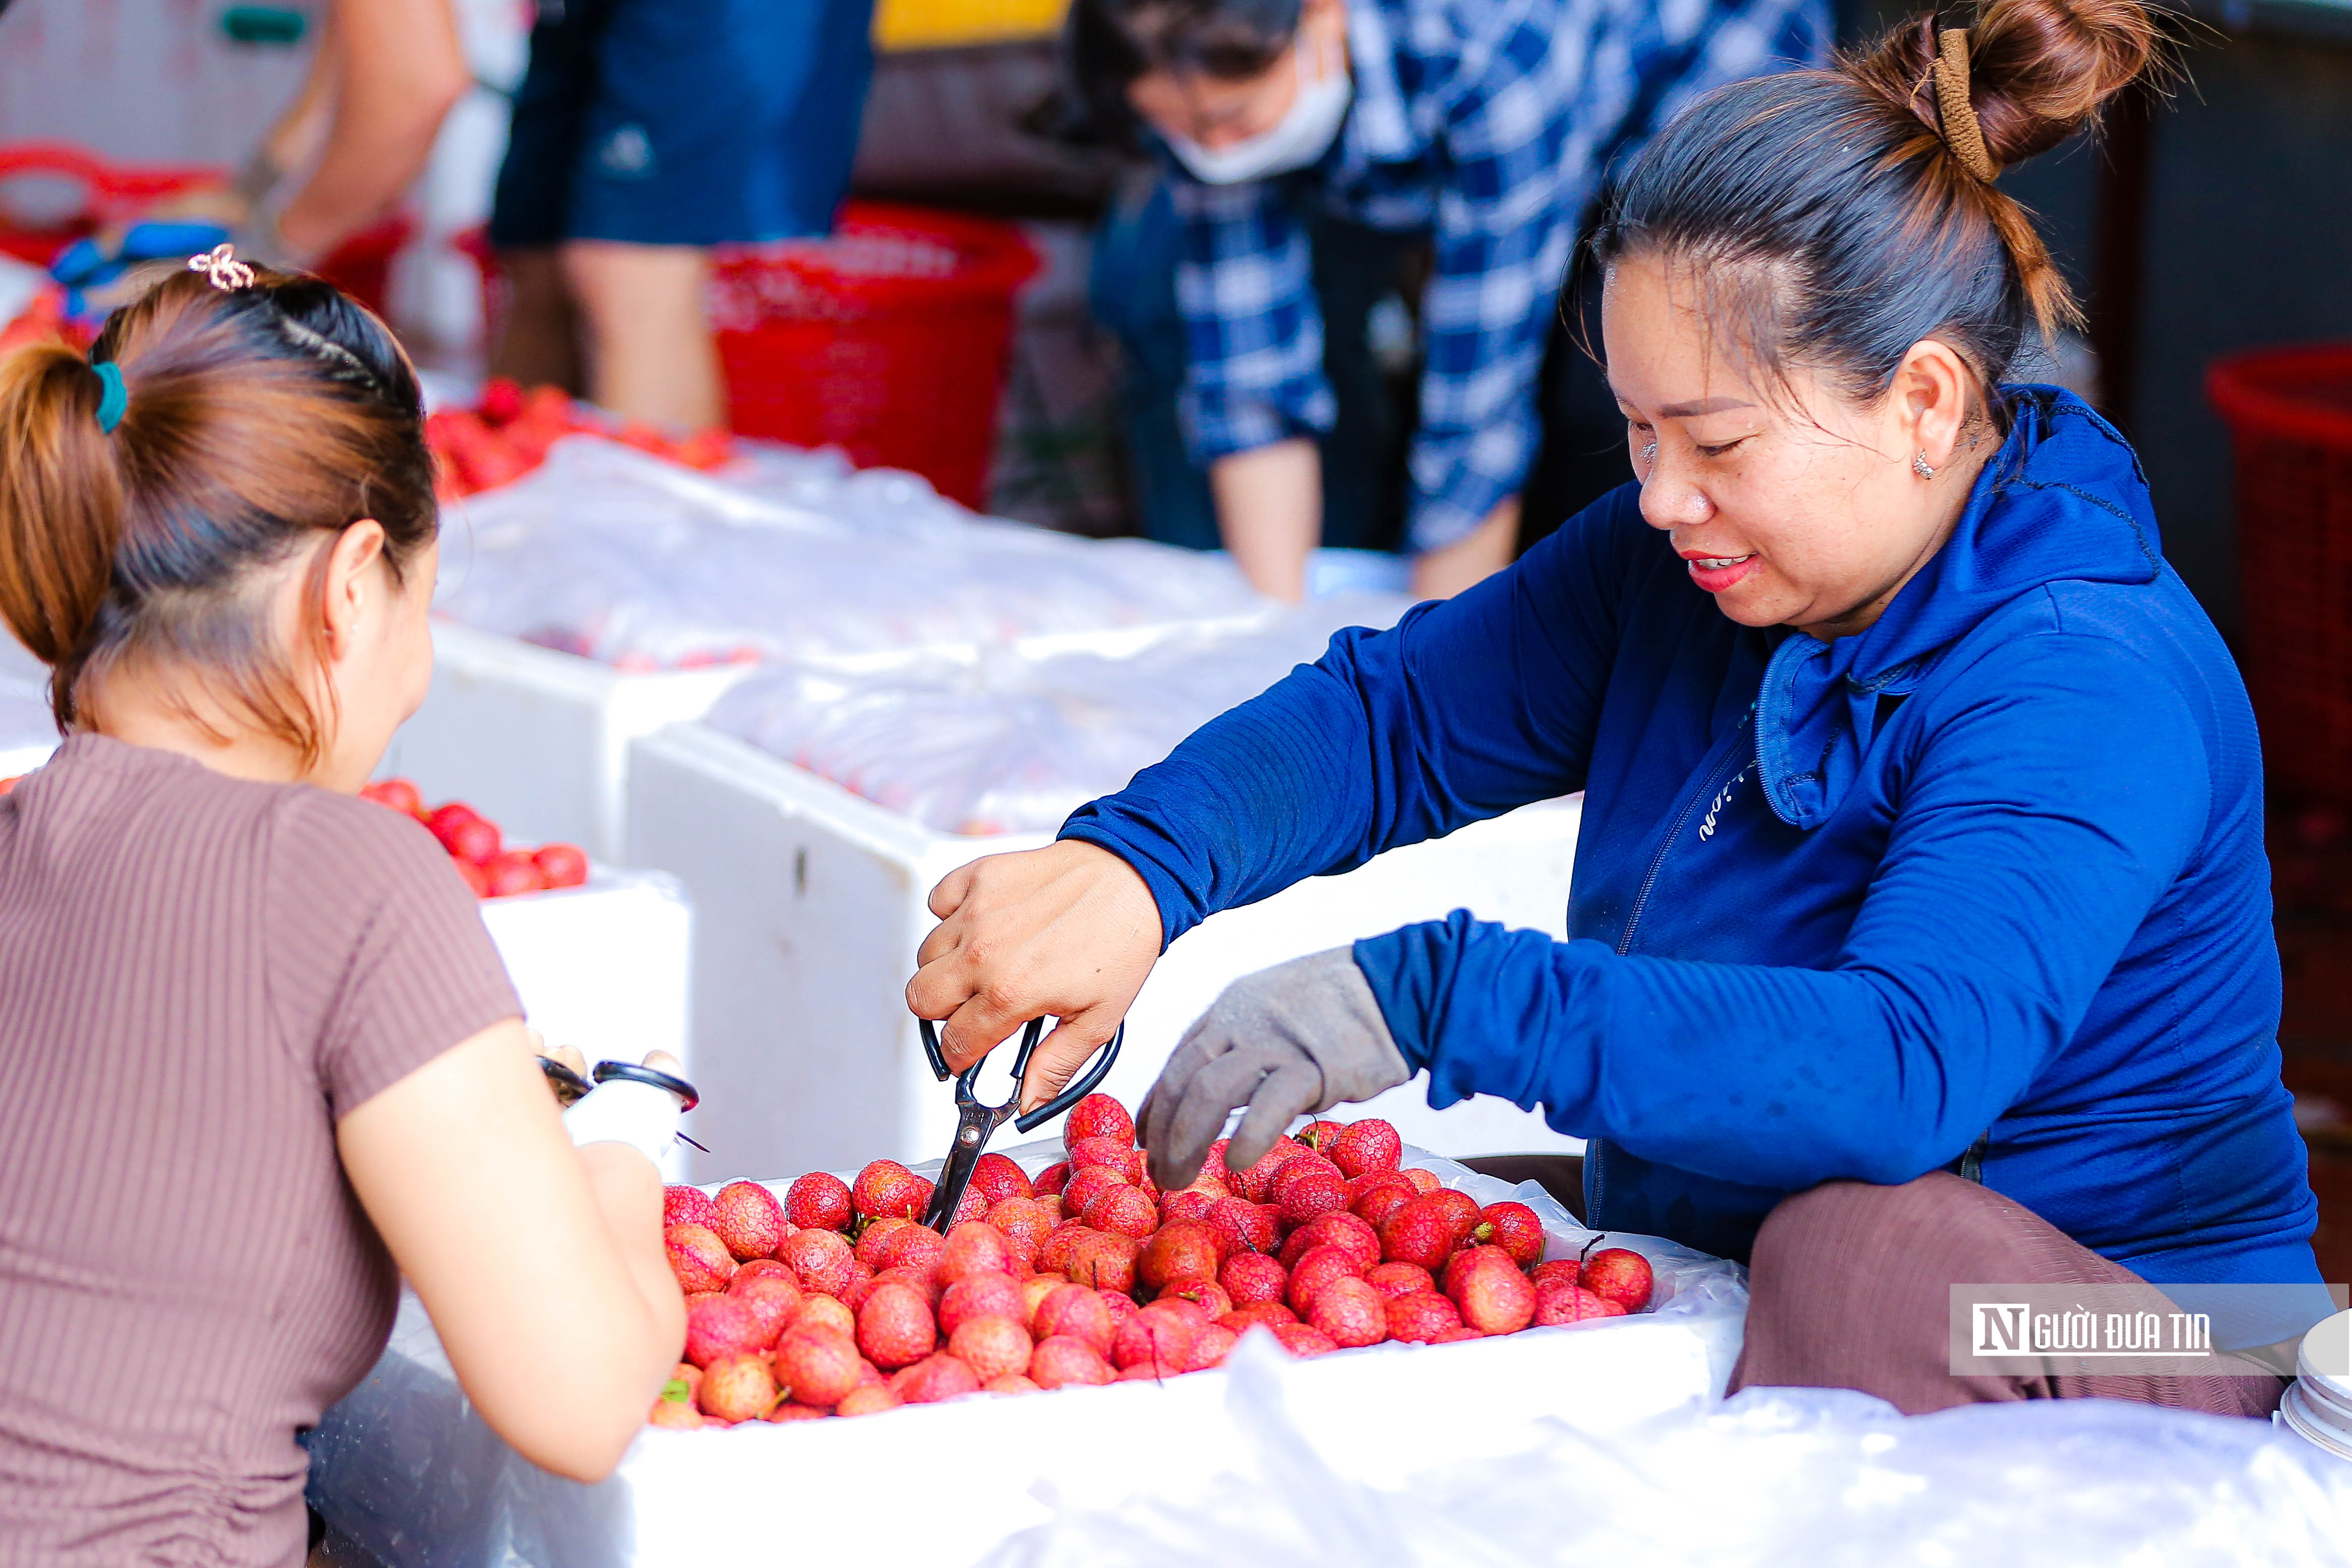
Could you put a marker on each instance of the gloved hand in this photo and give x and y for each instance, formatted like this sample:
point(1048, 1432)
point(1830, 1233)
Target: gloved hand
point(1299, 1038)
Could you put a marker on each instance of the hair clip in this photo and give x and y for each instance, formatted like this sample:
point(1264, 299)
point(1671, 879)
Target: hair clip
point(222, 268)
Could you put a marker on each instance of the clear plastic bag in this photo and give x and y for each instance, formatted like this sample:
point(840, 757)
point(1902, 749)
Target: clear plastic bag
point(642, 564)
point(1012, 742)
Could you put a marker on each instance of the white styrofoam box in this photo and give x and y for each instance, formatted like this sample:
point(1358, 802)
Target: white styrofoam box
point(605, 967)
point(810, 904)
point(537, 740)
point(407, 1467)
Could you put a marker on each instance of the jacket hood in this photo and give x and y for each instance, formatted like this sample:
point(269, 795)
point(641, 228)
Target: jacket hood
point(2062, 501)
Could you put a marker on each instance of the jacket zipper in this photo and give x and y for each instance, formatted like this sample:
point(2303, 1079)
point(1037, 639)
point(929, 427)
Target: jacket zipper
point(1712, 781)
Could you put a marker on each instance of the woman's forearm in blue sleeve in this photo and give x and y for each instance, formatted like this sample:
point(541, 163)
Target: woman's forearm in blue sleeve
point(2037, 835)
point(1463, 710)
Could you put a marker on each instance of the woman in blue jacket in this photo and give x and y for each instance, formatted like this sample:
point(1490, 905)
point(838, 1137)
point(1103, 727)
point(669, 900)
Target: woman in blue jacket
point(1922, 873)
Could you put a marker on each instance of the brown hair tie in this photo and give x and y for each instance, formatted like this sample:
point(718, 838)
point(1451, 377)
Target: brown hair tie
point(1962, 133)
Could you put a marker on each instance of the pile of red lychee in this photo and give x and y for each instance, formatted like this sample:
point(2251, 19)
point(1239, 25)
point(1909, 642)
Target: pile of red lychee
point(836, 1301)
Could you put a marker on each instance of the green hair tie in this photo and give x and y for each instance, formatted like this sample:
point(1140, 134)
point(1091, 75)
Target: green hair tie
point(115, 402)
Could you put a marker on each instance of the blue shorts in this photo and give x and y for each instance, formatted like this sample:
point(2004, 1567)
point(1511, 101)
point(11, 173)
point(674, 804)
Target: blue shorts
point(684, 122)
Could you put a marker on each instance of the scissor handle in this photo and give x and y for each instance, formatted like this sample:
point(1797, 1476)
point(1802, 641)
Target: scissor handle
point(1087, 1083)
point(939, 1069)
point(633, 1073)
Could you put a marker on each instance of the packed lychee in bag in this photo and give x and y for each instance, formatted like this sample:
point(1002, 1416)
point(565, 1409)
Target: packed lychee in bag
point(834, 1300)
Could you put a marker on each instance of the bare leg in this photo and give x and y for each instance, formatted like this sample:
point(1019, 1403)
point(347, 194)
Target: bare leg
point(1481, 553)
point(538, 345)
point(645, 331)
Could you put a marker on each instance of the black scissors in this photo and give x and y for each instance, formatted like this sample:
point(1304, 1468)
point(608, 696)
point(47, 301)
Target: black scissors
point(976, 1123)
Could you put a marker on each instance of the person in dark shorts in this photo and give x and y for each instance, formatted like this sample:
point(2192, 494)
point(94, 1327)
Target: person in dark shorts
point(647, 132)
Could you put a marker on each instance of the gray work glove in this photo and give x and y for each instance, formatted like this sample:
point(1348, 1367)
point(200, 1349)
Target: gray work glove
point(1297, 1037)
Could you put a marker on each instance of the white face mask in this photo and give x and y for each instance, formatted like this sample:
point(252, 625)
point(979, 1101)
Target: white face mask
point(1303, 134)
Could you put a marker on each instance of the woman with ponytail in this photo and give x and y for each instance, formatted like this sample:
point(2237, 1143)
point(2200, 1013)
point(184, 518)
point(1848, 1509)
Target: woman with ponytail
point(258, 1058)
point(1920, 926)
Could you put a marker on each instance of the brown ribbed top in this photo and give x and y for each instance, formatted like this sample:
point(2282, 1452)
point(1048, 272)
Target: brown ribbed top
point(198, 976)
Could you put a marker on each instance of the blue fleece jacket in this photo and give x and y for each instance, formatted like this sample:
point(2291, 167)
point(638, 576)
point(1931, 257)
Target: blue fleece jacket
point(1991, 870)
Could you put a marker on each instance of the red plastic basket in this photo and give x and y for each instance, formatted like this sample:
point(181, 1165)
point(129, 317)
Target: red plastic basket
point(114, 192)
point(888, 339)
point(2290, 415)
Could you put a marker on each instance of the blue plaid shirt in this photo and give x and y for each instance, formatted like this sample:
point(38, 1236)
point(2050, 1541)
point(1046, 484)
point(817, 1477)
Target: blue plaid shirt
point(1488, 125)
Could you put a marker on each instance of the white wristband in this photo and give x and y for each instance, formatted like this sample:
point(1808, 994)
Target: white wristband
point(622, 1112)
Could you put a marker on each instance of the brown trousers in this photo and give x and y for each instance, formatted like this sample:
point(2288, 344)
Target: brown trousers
point(1851, 1288)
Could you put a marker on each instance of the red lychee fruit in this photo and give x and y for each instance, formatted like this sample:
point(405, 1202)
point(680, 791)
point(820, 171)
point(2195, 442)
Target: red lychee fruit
point(917, 1247)
point(1370, 1144)
point(1241, 1225)
point(1060, 1361)
point(1024, 1223)
point(1456, 1335)
point(1209, 1348)
point(698, 1258)
point(826, 1311)
point(1421, 1232)
point(921, 1280)
point(1251, 1184)
point(992, 1346)
point(1241, 1320)
point(1033, 1290)
point(1123, 1209)
point(1423, 1181)
point(1494, 1296)
point(1299, 1166)
point(874, 1234)
point(971, 1205)
point(1010, 1383)
point(996, 1178)
point(1108, 1154)
point(1393, 1280)
point(1513, 1227)
point(749, 1219)
point(1376, 1196)
point(1316, 1271)
point(1073, 1311)
point(1461, 1208)
point(1336, 1230)
point(1351, 1312)
point(887, 1189)
point(1089, 1183)
point(817, 1365)
point(1179, 1254)
point(1558, 1301)
point(1302, 1341)
point(1052, 1179)
point(760, 1269)
point(978, 1296)
point(737, 1388)
point(1122, 1305)
point(934, 1379)
point(1562, 1269)
point(1186, 1202)
point(895, 1327)
point(853, 1298)
point(687, 1206)
point(674, 1406)
point(1420, 1316)
point(1618, 1274)
point(819, 1259)
point(1105, 1260)
point(1319, 1135)
point(788, 1411)
point(1310, 1194)
point(775, 1301)
point(1253, 1277)
point(1161, 1339)
point(866, 1400)
point(974, 1246)
point(1098, 1116)
point(1208, 1295)
point(1053, 1254)
point(819, 1200)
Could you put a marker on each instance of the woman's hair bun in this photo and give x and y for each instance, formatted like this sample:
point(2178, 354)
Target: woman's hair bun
point(2039, 70)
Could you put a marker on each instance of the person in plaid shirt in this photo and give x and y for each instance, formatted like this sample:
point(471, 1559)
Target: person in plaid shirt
point(1486, 125)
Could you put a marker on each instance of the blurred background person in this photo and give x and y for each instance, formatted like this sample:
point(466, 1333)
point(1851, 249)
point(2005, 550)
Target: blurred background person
point(645, 133)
